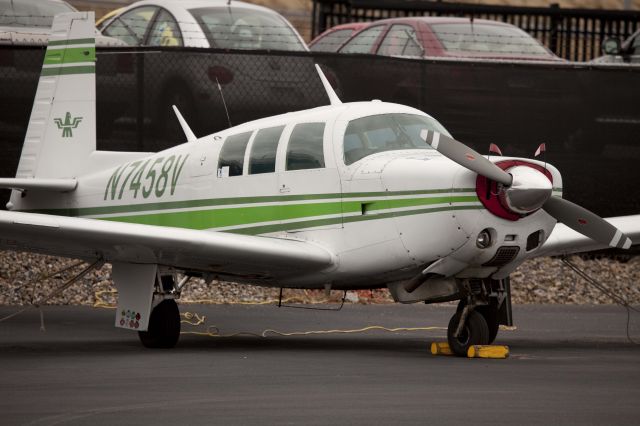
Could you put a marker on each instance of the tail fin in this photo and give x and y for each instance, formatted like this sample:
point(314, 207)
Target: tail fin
point(62, 128)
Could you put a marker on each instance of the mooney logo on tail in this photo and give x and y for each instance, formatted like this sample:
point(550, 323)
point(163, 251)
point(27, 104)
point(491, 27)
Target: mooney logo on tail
point(67, 125)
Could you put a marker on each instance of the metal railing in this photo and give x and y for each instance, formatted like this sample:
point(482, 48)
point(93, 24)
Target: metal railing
point(573, 34)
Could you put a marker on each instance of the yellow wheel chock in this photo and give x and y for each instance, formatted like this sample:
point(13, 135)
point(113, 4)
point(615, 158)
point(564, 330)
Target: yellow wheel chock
point(475, 351)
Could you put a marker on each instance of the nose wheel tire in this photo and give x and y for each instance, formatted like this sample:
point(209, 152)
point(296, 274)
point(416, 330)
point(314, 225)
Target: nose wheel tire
point(164, 326)
point(474, 332)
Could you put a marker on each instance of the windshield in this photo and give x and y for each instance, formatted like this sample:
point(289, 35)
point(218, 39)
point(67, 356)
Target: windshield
point(30, 13)
point(247, 29)
point(499, 40)
point(386, 132)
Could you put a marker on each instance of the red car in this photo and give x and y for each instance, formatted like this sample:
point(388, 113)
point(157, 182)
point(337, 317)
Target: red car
point(449, 37)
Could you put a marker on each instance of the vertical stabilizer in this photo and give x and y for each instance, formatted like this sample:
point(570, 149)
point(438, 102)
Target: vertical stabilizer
point(62, 129)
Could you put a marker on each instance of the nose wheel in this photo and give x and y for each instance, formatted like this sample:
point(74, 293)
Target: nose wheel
point(164, 326)
point(473, 331)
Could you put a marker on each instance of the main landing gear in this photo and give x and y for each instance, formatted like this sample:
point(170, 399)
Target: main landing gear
point(164, 322)
point(486, 304)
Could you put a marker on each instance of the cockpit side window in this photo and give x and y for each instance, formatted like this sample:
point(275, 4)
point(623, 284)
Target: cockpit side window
point(263, 151)
point(305, 149)
point(232, 154)
point(386, 132)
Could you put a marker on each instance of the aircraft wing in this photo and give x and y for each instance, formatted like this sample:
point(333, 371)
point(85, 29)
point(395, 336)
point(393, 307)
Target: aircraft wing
point(241, 256)
point(564, 240)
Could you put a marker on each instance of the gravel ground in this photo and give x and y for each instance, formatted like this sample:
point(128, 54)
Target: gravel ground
point(543, 280)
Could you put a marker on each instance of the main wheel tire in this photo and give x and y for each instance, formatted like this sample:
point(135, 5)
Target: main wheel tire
point(164, 326)
point(474, 332)
point(490, 314)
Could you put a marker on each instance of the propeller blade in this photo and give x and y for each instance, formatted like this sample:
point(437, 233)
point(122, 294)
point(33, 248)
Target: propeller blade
point(583, 221)
point(466, 157)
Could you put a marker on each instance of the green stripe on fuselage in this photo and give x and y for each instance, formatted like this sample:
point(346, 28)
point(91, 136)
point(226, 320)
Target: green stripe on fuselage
point(265, 229)
point(240, 216)
point(213, 202)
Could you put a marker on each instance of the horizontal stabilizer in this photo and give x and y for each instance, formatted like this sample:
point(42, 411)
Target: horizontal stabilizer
point(40, 184)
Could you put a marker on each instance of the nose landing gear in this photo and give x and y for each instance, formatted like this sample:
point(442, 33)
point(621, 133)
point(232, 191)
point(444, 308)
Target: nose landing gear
point(487, 304)
point(463, 335)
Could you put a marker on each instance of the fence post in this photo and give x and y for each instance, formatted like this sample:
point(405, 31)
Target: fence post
point(554, 24)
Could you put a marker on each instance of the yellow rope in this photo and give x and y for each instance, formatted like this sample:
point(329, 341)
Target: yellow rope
point(190, 316)
point(213, 331)
point(100, 302)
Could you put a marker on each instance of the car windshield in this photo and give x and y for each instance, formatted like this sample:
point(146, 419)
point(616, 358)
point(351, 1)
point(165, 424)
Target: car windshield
point(30, 13)
point(247, 29)
point(473, 39)
point(386, 132)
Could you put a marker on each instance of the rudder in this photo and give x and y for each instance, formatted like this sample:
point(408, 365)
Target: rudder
point(62, 128)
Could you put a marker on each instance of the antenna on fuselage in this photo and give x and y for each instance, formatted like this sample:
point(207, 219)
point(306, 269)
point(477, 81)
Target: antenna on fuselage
point(333, 98)
point(191, 137)
point(224, 103)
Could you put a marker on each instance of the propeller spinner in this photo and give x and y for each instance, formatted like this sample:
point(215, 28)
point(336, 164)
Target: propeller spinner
point(525, 190)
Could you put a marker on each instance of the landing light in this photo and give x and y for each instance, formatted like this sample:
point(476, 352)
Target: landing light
point(484, 239)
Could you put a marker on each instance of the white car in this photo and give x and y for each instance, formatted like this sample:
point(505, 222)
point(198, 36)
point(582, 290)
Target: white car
point(28, 22)
point(199, 23)
point(252, 69)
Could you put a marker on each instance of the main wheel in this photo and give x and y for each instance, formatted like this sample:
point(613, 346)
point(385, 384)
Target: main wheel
point(474, 332)
point(490, 314)
point(164, 326)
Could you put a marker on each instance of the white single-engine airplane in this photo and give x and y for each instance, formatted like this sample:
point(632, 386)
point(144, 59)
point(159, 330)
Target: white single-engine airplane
point(346, 196)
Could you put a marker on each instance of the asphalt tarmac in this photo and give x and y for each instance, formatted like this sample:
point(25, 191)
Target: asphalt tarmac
point(568, 365)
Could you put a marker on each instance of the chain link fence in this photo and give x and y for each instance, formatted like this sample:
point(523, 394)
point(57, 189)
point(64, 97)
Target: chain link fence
point(587, 115)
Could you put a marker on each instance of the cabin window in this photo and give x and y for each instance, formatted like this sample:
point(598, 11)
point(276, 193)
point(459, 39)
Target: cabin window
point(263, 151)
point(305, 150)
point(232, 155)
point(386, 132)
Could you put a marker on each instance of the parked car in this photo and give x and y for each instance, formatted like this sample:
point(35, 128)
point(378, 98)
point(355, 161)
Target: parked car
point(615, 52)
point(28, 22)
point(334, 37)
point(252, 85)
point(446, 37)
point(203, 23)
